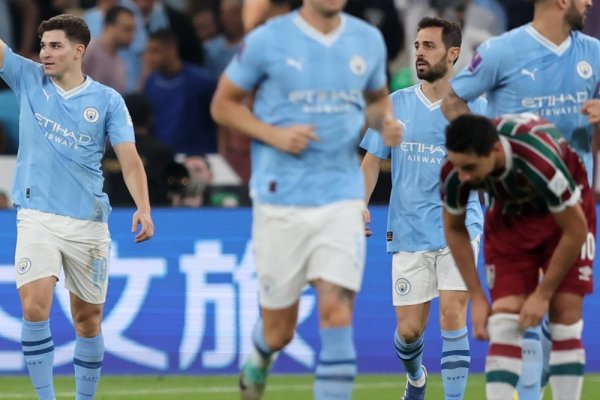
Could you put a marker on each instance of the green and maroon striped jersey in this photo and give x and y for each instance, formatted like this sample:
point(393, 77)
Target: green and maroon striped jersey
point(543, 173)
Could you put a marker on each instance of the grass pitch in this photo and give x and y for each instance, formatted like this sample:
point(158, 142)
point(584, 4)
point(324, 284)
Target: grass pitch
point(281, 387)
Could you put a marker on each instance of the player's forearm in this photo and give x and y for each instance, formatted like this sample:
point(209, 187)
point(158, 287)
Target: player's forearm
point(239, 117)
point(378, 111)
point(137, 183)
point(453, 107)
point(459, 244)
point(370, 167)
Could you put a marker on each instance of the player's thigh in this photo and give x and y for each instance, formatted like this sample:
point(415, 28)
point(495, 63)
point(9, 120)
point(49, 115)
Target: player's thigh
point(413, 278)
point(338, 249)
point(37, 254)
point(447, 273)
point(86, 259)
point(281, 243)
point(566, 308)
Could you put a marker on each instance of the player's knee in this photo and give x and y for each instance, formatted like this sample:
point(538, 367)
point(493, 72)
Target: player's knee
point(34, 311)
point(278, 339)
point(410, 332)
point(452, 318)
point(336, 315)
point(504, 328)
point(87, 324)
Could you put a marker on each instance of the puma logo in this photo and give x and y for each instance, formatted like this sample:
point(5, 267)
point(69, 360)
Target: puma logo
point(294, 64)
point(529, 73)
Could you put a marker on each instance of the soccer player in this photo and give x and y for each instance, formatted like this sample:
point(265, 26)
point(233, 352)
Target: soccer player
point(65, 118)
point(542, 216)
point(551, 69)
point(422, 266)
point(312, 92)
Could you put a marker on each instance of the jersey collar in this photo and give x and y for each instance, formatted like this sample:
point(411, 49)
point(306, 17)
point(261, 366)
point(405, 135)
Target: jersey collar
point(66, 94)
point(541, 39)
point(508, 157)
point(431, 106)
point(325, 39)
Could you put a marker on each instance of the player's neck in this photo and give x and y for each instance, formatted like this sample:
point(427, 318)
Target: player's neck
point(552, 27)
point(70, 80)
point(321, 23)
point(436, 91)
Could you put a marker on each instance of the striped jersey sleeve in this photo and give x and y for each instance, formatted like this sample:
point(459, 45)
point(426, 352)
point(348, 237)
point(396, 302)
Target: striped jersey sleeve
point(454, 194)
point(540, 155)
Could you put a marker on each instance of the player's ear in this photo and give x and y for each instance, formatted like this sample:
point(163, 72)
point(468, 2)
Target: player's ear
point(79, 50)
point(453, 54)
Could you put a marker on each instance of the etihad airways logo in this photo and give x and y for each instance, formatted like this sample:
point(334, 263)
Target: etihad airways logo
point(55, 132)
point(554, 105)
point(424, 152)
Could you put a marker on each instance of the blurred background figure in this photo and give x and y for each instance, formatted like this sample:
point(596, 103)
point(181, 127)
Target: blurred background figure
point(220, 49)
point(101, 60)
point(180, 95)
point(4, 200)
point(95, 16)
point(158, 159)
point(18, 24)
point(204, 19)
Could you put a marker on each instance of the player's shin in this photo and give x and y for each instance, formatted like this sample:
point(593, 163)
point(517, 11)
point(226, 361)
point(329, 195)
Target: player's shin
point(567, 361)
point(455, 362)
point(503, 362)
point(38, 351)
point(334, 376)
point(89, 354)
point(529, 385)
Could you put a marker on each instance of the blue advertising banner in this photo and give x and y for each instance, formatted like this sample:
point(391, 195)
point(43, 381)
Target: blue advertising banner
point(185, 303)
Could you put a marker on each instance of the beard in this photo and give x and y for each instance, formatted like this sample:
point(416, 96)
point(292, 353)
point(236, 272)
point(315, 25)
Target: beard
point(435, 72)
point(574, 18)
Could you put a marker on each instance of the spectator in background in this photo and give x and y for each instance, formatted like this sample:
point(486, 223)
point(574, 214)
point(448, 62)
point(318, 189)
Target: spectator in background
point(101, 60)
point(219, 50)
point(28, 13)
point(592, 25)
point(205, 24)
point(156, 157)
point(4, 204)
point(95, 16)
point(180, 95)
point(157, 16)
point(9, 117)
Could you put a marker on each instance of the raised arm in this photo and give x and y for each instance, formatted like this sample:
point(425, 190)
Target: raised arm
point(229, 110)
point(453, 106)
point(380, 116)
point(137, 184)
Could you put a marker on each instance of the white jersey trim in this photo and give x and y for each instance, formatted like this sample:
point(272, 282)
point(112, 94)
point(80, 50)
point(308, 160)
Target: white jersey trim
point(426, 102)
point(559, 50)
point(325, 39)
point(65, 94)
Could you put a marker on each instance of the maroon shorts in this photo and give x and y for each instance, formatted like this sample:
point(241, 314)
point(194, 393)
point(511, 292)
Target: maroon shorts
point(516, 247)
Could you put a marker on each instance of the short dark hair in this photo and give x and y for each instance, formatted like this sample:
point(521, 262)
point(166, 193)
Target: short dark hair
point(113, 14)
point(471, 134)
point(451, 34)
point(165, 36)
point(75, 28)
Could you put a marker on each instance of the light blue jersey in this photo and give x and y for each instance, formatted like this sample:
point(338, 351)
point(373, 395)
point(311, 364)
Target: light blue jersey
point(305, 77)
point(415, 211)
point(522, 71)
point(61, 141)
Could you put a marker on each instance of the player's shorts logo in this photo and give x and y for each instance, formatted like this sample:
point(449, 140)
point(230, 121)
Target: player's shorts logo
point(490, 275)
point(268, 285)
point(91, 115)
point(23, 265)
point(402, 287)
point(358, 65)
point(584, 69)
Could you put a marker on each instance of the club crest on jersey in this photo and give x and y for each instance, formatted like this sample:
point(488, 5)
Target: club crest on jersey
point(584, 69)
point(358, 65)
point(91, 115)
point(23, 265)
point(490, 275)
point(402, 286)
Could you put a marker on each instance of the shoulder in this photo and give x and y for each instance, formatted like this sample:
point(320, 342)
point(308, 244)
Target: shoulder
point(197, 73)
point(403, 94)
point(589, 43)
point(105, 92)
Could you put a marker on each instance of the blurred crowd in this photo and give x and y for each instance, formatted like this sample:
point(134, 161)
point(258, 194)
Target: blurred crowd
point(165, 57)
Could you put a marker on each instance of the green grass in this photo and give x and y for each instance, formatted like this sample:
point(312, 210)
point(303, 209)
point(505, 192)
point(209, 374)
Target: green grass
point(281, 387)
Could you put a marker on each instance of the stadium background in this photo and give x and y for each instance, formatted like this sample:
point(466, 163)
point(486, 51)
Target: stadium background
point(185, 303)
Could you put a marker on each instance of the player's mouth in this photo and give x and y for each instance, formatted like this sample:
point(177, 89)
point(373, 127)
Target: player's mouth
point(422, 64)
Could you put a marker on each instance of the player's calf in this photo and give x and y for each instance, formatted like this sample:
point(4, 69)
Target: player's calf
point(567, 361)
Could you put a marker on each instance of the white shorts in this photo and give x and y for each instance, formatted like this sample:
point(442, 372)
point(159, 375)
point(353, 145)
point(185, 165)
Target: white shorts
point(296, 245)
point(45, 242)
point(419, 276)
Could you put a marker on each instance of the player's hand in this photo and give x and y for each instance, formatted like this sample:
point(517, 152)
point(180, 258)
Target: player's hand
point(392, 132)
point(591, 108)
point(367, 219)
point(147, 226)
point(480, 312)
point(293, 139)
point(533, 310)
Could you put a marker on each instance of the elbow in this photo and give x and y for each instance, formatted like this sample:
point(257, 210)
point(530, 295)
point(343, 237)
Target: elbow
point(216, 111)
